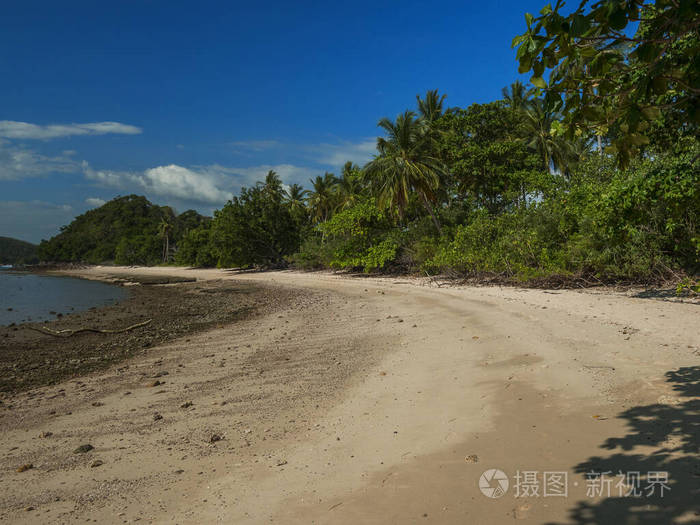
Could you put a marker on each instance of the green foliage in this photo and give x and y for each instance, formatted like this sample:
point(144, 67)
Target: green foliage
point(636, 224)
point(196, 249)
point(131, 223)
point(359, 238)
point(255, 228)
point(142, 250)
point(603, 79)
point(14, 251)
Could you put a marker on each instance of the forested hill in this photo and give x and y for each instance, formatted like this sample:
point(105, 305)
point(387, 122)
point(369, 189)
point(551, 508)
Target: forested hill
point(125, 230)
point(14, 251)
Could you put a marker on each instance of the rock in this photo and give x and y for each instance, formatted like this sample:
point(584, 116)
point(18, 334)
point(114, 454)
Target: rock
point(214, 438)
point(157, 417)
point(46, 434)
point(97, 463)
point(82, 449)
point(154, 383)
point(160, 374)
point(472, 458)
point(187, 404)
point(26, 467)
point(281, 462)
point(98, 404)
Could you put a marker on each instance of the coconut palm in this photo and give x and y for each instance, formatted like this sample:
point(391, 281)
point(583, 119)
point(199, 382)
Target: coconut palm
point(404, 165)
point(322, 198)
point(296, 196)
point(516, 96)
point(431, 107)
point(349, 186)
point(557, 153)
point(273, 185)
point(164, 230)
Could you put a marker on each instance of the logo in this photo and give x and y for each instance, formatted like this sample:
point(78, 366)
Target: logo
point(493, 483)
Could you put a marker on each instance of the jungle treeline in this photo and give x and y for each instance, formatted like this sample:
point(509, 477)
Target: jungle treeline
point(591, 175)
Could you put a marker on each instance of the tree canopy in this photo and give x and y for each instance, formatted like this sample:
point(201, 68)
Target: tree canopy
point(617, 66)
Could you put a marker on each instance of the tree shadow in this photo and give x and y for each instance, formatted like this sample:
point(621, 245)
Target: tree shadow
point(669, 439)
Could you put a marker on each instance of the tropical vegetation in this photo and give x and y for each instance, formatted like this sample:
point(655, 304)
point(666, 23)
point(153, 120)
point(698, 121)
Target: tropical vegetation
point(589, 176)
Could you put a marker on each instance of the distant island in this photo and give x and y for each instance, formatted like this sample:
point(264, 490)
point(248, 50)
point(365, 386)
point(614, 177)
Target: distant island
point(14, 251)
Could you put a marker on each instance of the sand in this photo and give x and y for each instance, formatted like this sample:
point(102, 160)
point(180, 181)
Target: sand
point(375, 400)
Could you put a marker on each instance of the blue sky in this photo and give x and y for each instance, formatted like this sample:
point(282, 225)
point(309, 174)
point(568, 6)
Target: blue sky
point(185, 102)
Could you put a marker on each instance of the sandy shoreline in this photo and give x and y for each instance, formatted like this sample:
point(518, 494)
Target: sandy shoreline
point(373, 401)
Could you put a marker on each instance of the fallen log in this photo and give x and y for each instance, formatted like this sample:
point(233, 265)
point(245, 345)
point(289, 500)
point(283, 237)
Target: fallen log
point(69, 333)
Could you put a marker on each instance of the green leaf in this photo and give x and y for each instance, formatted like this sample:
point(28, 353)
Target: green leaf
point(529, 19)
point(538, 68)
point(618, 20)
point(538, 82)
point(579, 25)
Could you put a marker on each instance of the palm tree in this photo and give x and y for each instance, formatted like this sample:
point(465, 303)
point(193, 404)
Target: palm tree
point(273, 185)
point(557, 153)
point(516, 96)
point(430, 108)
point(349, 185)
point(296, 196)
point(405, 164)
point(322, 198)
point(164, 230)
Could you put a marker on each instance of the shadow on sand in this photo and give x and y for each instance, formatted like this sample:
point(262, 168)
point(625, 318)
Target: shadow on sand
point(661, 438)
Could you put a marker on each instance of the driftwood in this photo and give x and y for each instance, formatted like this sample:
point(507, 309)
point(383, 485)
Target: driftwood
point(68, 333)
point(432, 279)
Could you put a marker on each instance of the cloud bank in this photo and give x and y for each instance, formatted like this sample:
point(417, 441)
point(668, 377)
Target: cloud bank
point(172, 181)
point(20, 163)
point(11, 129)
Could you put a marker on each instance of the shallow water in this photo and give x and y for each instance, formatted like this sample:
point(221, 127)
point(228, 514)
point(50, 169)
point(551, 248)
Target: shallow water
point(30, 297)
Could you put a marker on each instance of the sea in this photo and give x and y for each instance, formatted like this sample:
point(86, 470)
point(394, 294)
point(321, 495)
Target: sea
point(29, 297)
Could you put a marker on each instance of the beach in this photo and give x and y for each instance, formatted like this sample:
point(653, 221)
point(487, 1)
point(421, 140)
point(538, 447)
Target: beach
point(318, 398)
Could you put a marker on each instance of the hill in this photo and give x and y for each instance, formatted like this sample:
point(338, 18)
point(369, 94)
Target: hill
point(125, 230)
point(14, 251)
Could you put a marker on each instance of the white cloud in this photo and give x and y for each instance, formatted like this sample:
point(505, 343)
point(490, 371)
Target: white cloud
point(33, 220)
point(200, 185)
point(254, 145)
point(24, 130)
point(94, 202)
point(338, 154)
point(19, 163)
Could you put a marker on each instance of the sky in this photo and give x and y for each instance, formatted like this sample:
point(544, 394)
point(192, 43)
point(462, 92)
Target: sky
point(186, 102)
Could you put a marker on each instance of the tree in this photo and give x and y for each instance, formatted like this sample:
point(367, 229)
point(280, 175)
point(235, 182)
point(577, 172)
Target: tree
point(322, 198)
point(164, 229)
point(405, 164)
point(296, 196)
point(273, 185)
point(254, 228)
point(488, 161)
point(516, 96)
point(604, 76)
point(430, 108)
point(540, 133)
point(350, 186)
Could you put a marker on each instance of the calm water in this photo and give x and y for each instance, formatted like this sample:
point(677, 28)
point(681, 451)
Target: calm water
point(33, 297)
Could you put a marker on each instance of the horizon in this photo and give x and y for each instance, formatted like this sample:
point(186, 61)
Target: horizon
point(186, 107)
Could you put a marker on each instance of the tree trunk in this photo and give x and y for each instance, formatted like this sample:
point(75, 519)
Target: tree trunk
point(428, 207)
